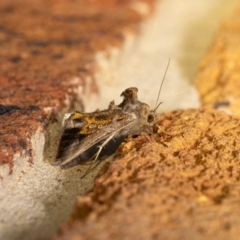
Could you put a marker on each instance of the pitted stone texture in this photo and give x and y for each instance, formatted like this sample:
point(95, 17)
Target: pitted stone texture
point(183, 184)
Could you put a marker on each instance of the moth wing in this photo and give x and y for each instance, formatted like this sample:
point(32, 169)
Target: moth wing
point(80, 144)
point(69, 137)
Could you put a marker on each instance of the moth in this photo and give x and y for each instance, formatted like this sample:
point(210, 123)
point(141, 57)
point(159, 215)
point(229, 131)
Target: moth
point(84, 135)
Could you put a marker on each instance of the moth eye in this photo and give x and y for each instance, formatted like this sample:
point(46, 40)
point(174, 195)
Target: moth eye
point(100, 126)
point(150, 118)
point(92, 125)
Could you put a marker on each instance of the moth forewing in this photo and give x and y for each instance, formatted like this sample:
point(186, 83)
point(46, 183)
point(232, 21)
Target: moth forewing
point(69, 137)
point(79, 146)
point(69, 122)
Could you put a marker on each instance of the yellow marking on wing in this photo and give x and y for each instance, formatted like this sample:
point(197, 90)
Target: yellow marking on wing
point(93, 121)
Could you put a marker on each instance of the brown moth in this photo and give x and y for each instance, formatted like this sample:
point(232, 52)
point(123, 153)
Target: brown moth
point(84, 135)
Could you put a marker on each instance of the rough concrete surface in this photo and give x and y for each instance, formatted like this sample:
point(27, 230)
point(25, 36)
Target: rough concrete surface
point(37, 197)
point(178, 184)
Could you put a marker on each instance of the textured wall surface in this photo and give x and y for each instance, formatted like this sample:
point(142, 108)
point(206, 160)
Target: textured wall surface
point(57, 56)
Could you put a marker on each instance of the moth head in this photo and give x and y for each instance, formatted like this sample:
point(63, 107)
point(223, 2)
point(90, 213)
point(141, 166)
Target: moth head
point(151, 117)
point(147, 113)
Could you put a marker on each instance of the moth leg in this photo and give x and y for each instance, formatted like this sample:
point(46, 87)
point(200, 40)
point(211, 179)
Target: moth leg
point(161, 129)
point(103, 145)
point(97, 155)
point(91, 167)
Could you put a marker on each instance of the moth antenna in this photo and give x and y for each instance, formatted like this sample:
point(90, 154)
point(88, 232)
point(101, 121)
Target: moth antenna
point(157, 106)
point(159, 92)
